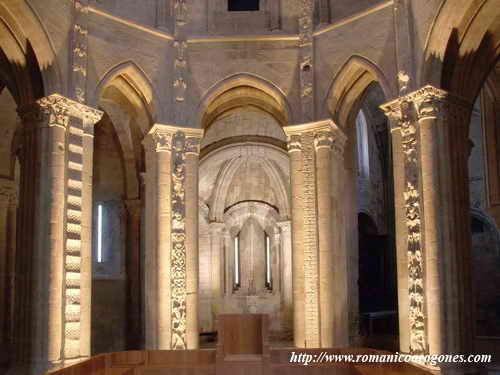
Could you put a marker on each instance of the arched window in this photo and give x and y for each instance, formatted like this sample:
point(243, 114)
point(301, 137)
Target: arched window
point(237, 280)
point(267, 242)
point(99, 254)
point(108, 239)
point(242, 5)
point(363, 152)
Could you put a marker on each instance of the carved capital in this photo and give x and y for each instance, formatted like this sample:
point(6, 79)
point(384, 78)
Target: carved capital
point(294, 144)
point(323, 139)
point(56, 110)
point(426, 102)
point(159, 139)
point(285, 226)
point(192, 145)
point(53, 110)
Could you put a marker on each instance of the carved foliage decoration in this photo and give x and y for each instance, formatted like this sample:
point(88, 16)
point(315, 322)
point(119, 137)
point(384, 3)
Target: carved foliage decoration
point(79, 47)
point(178, 259)
point(180, 44)
point(409, 137)
point(306, 58)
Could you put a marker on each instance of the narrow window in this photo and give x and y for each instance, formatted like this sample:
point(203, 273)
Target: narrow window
point(99, 233)
point(237, 261)
point(363, 151)
point(268, 262)
point(243, 5)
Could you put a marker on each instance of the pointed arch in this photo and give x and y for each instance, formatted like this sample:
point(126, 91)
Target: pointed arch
point(462, 46)
point(244, 89)
point(349, 85)
point(29, 52)
point(132, 75)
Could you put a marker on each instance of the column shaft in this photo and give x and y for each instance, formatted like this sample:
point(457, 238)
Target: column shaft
point(192, 238)
point(297, 249)
point(326, 266)
point(163, 249)
point(401, 236)
point(286, 272)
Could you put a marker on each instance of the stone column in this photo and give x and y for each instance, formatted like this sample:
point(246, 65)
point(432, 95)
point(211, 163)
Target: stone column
point(401, 234)
point(133, 262)
point(7, 193)
point(172, 243)
point(54, 293)
point(286, 275)
point(434, 139)
point(217, 260)
point(191, 152)
point(310, 147)
point(217, 268)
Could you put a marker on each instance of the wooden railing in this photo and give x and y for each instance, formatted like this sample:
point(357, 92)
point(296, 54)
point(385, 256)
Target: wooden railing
point(203, 362)
point(242, 348)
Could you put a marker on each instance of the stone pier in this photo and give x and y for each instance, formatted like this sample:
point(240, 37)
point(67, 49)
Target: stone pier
point(315, 238)
point(171, 268)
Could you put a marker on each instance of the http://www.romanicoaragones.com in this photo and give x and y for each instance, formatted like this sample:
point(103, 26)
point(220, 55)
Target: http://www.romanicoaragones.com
point(307, 359)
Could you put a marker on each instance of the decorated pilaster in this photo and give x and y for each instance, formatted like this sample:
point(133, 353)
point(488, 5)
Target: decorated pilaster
point(54, 294)
point(310, 148)
point(433, 129)
point(172, 243)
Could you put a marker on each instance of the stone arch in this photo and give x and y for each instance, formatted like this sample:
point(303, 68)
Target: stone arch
point(244, 89)
point(130, 101)
point(26, 46)
point(349, 85)
point(135, 77)
point(462, 46)
point(231, 167)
